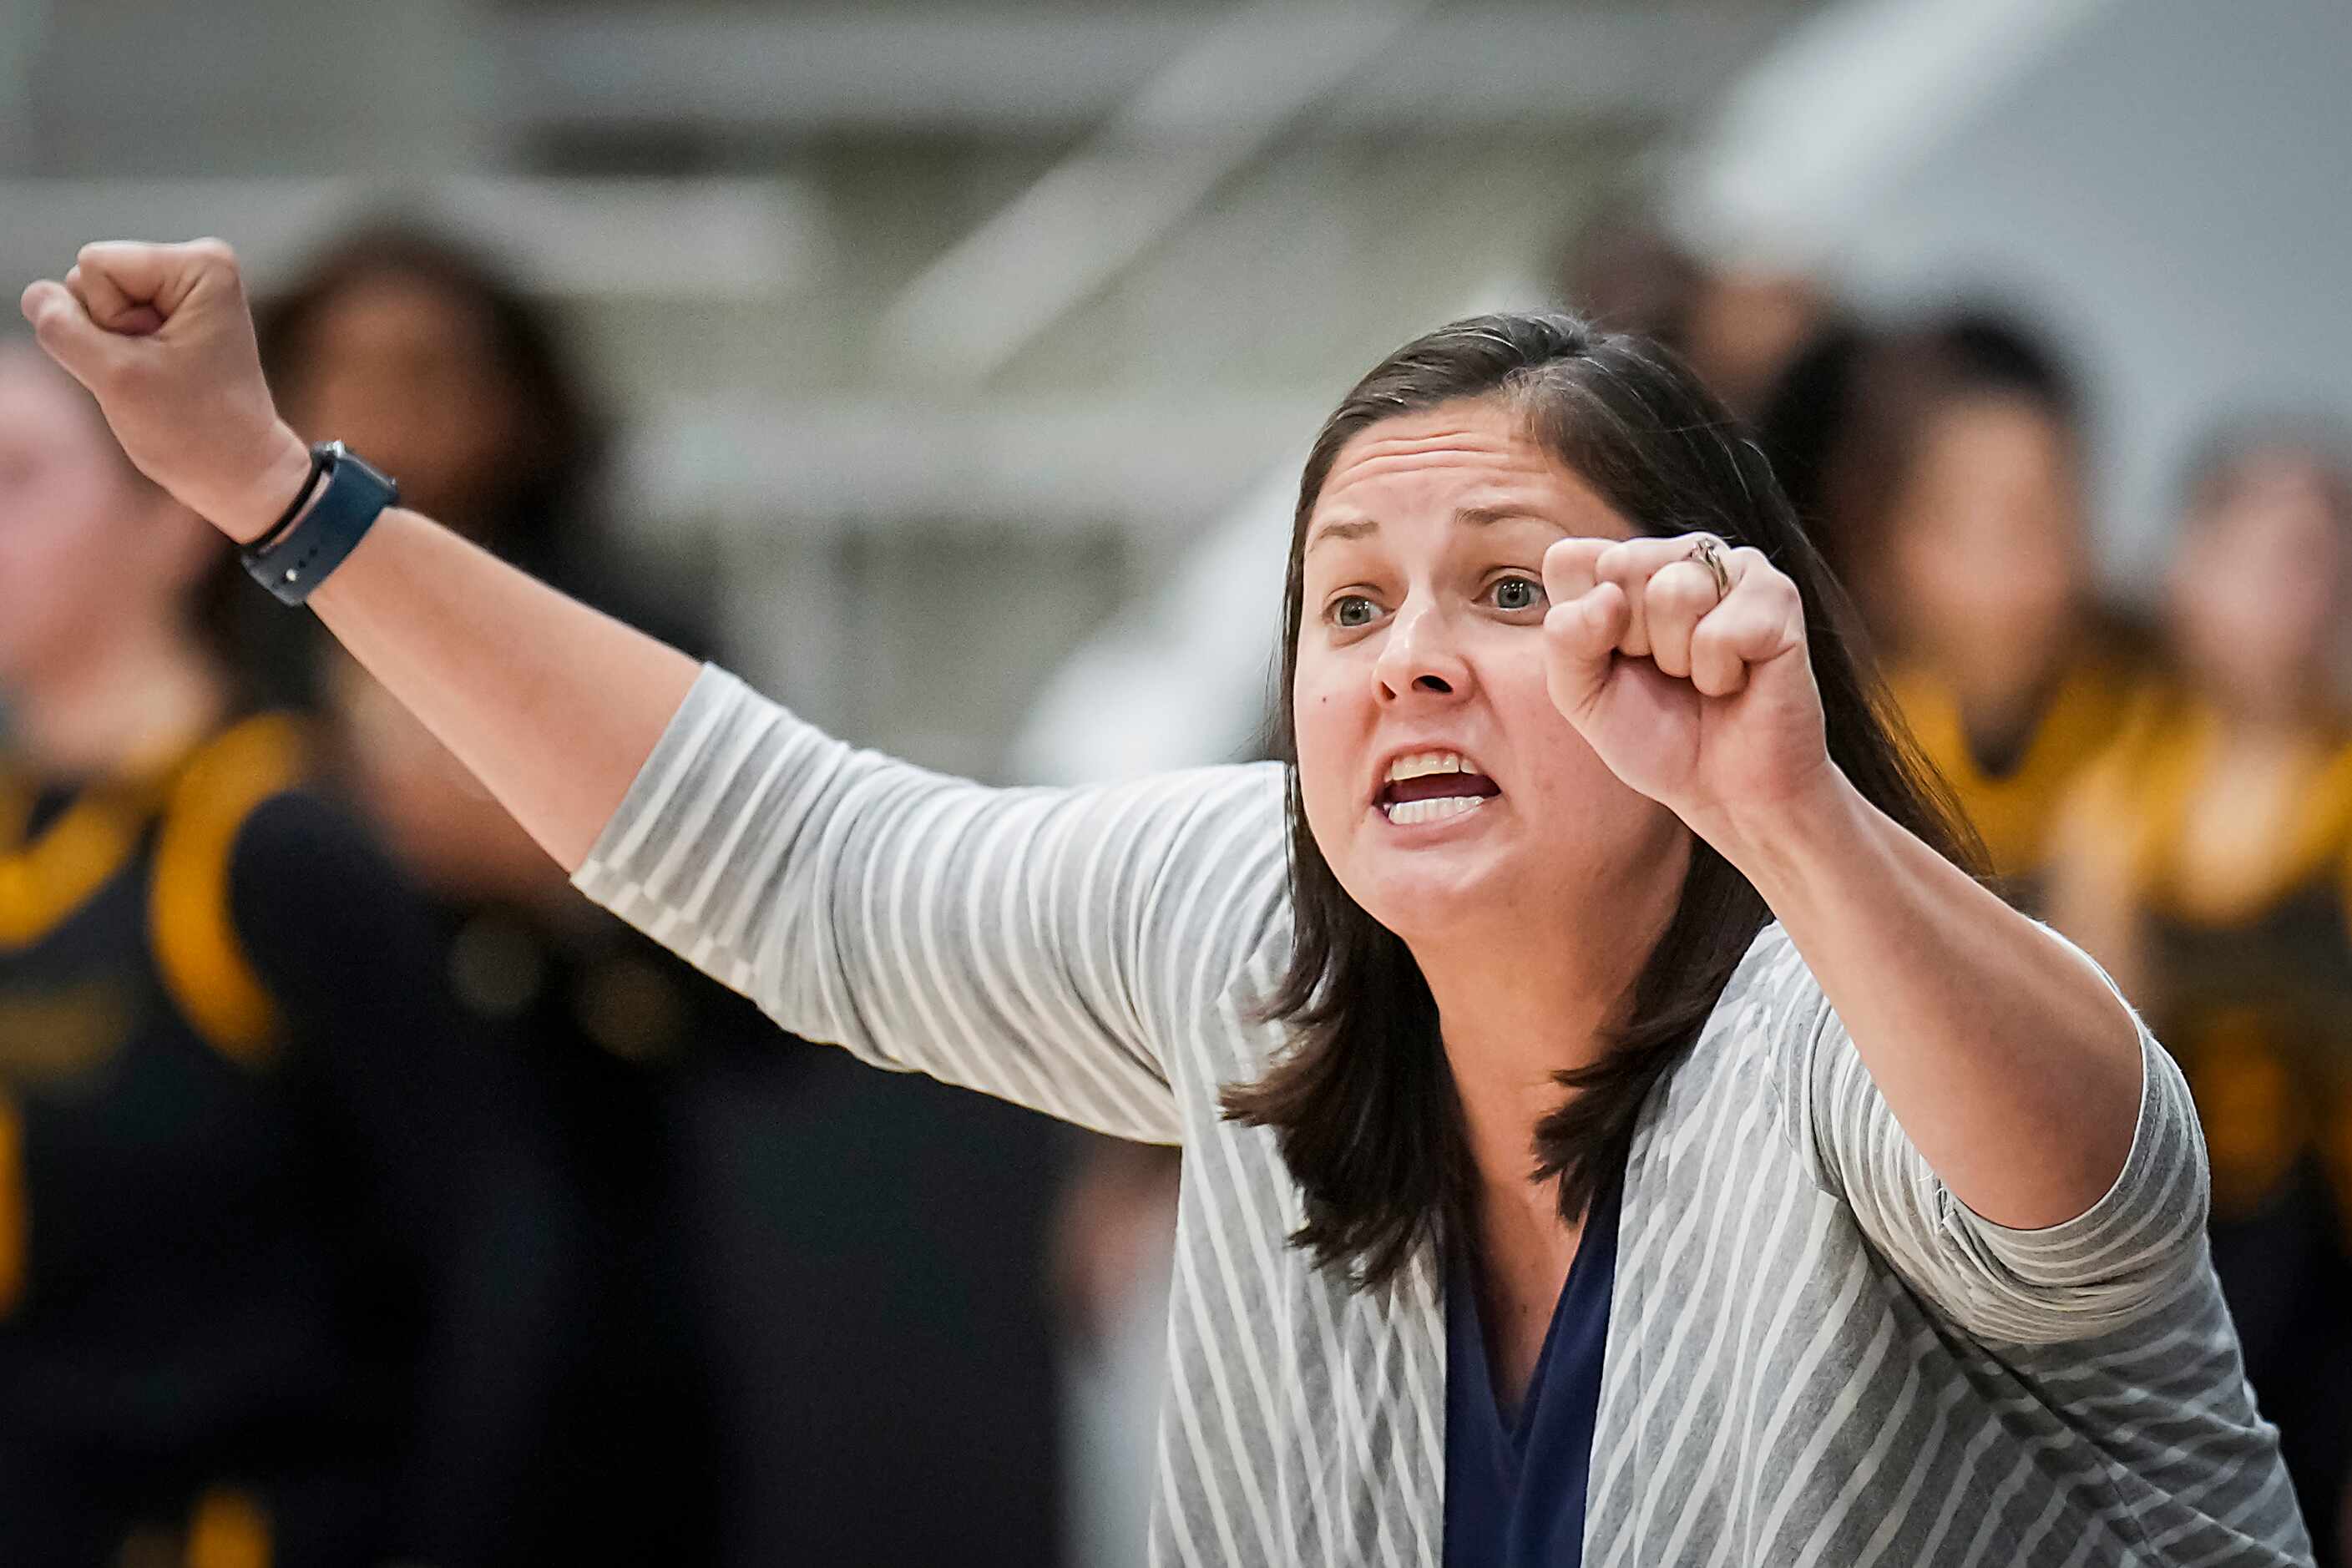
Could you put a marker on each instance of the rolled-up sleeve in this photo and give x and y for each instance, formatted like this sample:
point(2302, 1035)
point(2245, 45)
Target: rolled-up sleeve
point(2115, 1263)
point(1042, 945)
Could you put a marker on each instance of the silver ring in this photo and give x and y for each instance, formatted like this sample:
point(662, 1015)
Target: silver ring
point(1708, 552)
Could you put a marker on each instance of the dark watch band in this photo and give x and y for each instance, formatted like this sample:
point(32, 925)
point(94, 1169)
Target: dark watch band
point(291, 561)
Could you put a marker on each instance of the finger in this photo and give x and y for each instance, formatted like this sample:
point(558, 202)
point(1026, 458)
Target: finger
point(1677, 596)
point(1584, 635)
point(101, 295)
point(1637, 560)
point(1629, 567)
point(1631, 562)
point(160, 275)
point(1761, 620)
point(1568, 567)
point(65, 332)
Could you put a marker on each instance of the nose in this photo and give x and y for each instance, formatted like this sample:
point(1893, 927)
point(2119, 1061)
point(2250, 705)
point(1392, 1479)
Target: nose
point(1418, 657)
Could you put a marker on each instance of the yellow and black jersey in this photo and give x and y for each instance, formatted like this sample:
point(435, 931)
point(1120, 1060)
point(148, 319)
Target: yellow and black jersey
point(243, 1169)
point(2014, 799)
point(2250, 986)
point(2251, 968)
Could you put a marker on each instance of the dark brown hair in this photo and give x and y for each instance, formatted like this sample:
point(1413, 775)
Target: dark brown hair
point(547, 515)
point(1362, 1103)
point(1845, 426)
point(2217, 462)
point(556, 467)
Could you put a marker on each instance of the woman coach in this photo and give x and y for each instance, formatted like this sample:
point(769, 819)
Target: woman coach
point(1617, 1131)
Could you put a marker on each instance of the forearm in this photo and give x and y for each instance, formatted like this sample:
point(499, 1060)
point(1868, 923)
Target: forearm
point(2006, 1061)
point(553, 705)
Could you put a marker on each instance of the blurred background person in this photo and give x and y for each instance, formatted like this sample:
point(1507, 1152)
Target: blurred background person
point(1951, 496)
point(1114, 1247)
point(732, 1325)
point(395, 337)
point(273, 1272)
point(1739, 325)
point(2210, 863)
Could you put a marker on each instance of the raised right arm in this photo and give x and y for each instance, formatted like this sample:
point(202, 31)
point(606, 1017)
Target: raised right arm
point(1070, 950)
point(554, 706)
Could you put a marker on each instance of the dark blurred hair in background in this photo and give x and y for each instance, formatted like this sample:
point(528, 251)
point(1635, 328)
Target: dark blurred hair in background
point(502, 356)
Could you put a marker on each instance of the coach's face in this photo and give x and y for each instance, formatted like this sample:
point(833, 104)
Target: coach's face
point(1442, 783)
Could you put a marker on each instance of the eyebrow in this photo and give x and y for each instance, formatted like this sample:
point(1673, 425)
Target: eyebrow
point(1464, 517)
point(1487, 516)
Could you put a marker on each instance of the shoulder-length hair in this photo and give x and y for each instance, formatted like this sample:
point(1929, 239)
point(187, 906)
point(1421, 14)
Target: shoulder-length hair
point(1362, 1102)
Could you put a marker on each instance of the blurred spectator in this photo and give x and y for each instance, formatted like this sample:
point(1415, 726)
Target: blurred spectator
point(1746, 326)
point(1952, 500)
point(872, 1248)
point(1805, 426)
point(2208, 863)
point(446, 377)
point(1738, 326)
point(1114, 1242)
point(1623, 270)
point(750, 1369)
point(272, 1275)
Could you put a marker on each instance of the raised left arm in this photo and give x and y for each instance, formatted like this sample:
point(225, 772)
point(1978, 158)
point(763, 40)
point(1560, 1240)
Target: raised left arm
point(2006, 1060)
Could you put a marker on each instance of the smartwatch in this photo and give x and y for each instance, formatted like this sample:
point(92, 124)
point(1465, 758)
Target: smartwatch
point(294, 557)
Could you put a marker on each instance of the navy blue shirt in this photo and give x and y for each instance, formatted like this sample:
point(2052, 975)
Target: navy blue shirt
point(1515, 1494)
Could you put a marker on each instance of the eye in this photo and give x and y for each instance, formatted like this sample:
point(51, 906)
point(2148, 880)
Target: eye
point(1514, 594)
point(1352, 610)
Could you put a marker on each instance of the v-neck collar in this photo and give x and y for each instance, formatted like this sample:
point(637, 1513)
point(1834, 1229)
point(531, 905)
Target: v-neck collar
point(1516, 1430)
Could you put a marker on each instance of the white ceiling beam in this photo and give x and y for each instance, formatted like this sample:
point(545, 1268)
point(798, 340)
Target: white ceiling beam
point(750, 239)
point(992, 70)
point(1215, 107)
point(21, 26)
point(1049, 464)
point(951, 68)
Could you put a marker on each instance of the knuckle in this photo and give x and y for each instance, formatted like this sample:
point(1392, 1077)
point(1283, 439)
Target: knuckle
point(1686, 585)
point(1564, 563)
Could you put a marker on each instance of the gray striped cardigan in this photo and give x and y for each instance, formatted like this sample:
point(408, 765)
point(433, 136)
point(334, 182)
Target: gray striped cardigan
point(1815, 1354)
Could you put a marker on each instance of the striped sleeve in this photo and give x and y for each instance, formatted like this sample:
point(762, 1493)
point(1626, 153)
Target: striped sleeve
point(2111, 1266)
point(1029, 944)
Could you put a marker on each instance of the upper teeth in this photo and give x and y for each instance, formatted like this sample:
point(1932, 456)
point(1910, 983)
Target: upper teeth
point(1424, 763)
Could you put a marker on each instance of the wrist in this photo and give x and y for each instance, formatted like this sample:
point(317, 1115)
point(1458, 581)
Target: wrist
point(281, 476)
point(1772, 840)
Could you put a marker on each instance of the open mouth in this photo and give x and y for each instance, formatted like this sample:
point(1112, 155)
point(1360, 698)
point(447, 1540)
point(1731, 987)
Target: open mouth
point(1431, 787)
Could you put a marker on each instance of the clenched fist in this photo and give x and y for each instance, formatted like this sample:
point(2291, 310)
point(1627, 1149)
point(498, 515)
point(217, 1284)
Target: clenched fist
point(1696, 690)
point(162, 336)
